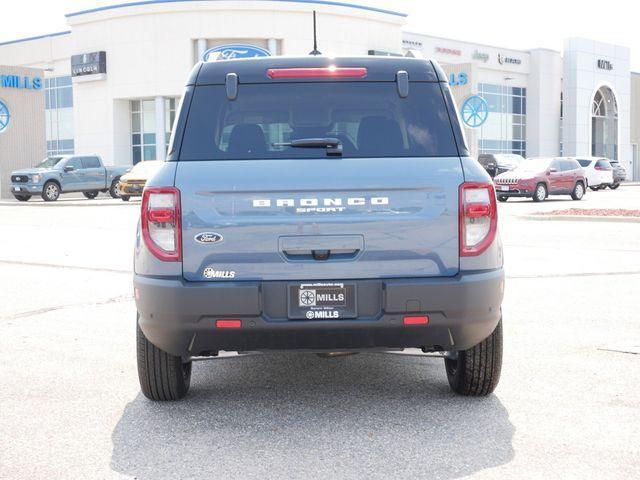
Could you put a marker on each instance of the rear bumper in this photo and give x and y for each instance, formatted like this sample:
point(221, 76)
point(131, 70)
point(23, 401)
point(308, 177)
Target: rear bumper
point(179, 317)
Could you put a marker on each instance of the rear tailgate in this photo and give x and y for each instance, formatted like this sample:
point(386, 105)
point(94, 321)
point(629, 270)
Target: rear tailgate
point(257, 207)
point(374, 218)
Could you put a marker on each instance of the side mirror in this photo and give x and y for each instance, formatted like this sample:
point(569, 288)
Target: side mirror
point(69, 168)
point(552, 170)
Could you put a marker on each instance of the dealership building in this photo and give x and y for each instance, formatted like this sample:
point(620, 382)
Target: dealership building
point(110, 85)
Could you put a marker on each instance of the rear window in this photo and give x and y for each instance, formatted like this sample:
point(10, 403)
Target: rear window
point(91, 162)
point(368, 118)
point(569, 165)
point(603, 164)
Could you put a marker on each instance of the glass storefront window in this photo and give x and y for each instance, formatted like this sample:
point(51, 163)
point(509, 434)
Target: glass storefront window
point(604, 124)
point(505, 128)
point(58, 95)
point(143, 127)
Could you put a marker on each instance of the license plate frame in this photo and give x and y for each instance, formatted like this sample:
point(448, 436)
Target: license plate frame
point(322, 301)
point(504, 188)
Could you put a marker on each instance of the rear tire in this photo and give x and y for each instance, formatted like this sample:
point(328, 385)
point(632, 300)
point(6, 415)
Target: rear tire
point(595, 189)
point(114, 189)
point(614, 186)
point(91, 195)
point(125, 198)
point(578, 191)
point(502, 198)
point(476, 371)
point(540, 193)
point(162, 376)
point(22, 198)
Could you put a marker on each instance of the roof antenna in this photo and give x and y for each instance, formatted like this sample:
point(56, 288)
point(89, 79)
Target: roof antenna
point(315, 50)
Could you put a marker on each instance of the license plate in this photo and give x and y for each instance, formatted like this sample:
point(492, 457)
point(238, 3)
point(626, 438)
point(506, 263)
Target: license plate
point(504, 188)
point(17, 189)
point(322, 301)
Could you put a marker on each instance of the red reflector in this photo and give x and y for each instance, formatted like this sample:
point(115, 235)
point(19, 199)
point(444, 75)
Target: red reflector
point(228, 323)
point(161, 215)
point(417, 320)
point(475, 210)
point(331, 72)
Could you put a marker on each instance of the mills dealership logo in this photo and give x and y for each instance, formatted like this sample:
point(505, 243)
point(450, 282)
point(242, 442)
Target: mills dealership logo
point(21, 82)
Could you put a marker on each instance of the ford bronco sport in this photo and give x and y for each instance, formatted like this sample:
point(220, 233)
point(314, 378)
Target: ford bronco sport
point(317, 204)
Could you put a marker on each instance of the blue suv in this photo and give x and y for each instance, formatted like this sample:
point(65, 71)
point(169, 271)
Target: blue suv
point(318, 204)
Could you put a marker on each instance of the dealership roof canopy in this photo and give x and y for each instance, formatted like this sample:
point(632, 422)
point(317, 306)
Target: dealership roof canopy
point(316, 2)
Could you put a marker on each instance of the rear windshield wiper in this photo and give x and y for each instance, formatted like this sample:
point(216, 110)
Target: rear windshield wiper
point(333, 145)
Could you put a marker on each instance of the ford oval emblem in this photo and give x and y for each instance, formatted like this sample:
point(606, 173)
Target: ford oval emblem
point(208, 237)
point(232, 51)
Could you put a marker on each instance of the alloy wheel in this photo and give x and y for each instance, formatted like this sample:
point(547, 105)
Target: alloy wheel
point(52, 191)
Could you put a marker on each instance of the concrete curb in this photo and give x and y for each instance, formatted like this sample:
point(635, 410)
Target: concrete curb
point(580, 218)
point(72, 203)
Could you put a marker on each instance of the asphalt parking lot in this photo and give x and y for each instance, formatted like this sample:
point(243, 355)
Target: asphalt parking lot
point(568, 404)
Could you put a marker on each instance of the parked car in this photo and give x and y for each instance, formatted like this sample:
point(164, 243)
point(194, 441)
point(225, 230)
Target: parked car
point(132, 183)
point(65, 174)
point(619, 174)
point(598, 171)
point(309, 210)
point(538, 178)
point(497, 163)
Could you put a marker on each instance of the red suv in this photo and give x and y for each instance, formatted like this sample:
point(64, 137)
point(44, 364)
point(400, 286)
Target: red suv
point(538, 178)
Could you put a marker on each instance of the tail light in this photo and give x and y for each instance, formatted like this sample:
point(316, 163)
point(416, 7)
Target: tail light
point(160, 222)
point(318, 72)
point(478, 218)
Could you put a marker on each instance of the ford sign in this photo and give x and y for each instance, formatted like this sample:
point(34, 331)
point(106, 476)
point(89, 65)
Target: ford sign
point(208, 237)
point(236, 50)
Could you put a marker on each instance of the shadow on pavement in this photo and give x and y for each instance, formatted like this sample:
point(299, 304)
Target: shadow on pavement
point(300, 416)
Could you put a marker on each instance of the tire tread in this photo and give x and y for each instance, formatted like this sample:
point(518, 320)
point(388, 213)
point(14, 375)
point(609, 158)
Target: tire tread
point(160, 373)
point(477, 371)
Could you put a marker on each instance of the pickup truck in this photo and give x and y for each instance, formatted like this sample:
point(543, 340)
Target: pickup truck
point(65, 174)
point(318, 204)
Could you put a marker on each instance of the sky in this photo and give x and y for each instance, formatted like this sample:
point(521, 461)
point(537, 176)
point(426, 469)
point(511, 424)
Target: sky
point(519, 24)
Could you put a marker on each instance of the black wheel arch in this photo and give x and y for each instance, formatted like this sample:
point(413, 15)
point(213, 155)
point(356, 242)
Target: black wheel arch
point(53, 180)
